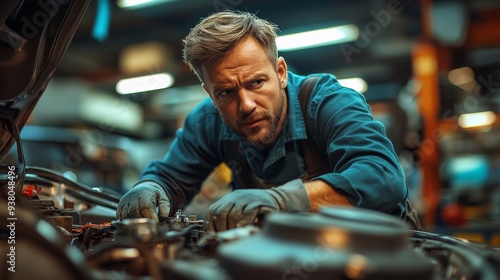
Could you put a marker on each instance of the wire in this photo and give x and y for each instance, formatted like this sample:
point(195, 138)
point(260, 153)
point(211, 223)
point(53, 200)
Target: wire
point(11, 127)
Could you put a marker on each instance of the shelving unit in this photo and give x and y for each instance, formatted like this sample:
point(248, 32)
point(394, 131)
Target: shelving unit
point(431, 60)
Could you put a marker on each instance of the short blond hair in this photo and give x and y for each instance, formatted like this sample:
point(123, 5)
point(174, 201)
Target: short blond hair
point(214, 37)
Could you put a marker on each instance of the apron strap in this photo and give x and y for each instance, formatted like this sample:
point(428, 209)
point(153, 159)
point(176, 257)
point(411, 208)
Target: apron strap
point(315, 161)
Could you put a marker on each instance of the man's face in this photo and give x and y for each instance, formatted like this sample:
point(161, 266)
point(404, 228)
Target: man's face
point(249, 92)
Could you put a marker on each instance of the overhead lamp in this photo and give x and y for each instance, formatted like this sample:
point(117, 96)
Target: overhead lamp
point(135, 4)
point(477, 120)
point(144, 83)
point(318, 37)
point(144, 57)
point(356, 84)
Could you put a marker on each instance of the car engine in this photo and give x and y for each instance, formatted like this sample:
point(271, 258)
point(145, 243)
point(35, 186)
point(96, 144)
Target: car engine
point(61, 229)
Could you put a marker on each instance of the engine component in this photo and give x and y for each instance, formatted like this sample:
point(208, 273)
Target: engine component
point(61, 218)
point(337, 243)
point(35, 249)
point(457, 258)
point(179, 220)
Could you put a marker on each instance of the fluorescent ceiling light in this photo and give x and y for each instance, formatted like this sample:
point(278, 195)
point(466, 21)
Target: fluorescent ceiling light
point(144, 83)
point(135, 4)
point(356, 84)
point(319, 37)
point(476, 120)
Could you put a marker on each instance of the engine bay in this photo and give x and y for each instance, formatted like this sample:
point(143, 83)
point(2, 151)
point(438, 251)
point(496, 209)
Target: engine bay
point(61, 228)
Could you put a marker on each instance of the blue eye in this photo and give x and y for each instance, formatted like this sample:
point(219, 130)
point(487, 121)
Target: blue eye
point(257, 82)
point(225, 92)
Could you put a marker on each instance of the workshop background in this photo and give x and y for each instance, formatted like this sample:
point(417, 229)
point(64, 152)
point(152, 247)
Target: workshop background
point(429, 69)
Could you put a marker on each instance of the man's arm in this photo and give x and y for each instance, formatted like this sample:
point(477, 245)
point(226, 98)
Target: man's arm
point(192, 155)
point(241, 207)
point(364, 164)
point(322, 194)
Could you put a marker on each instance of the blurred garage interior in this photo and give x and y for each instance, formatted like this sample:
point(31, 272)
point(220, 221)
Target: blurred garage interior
point(430, 70)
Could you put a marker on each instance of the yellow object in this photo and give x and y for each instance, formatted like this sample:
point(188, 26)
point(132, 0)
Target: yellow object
point(222, 173)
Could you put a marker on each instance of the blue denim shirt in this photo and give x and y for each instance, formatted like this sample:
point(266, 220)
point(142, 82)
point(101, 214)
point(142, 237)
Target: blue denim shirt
point(364, 165)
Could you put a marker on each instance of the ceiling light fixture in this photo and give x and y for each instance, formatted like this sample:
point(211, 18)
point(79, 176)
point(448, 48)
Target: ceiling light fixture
point(356, 84)
point(135, 4)
point(477, 120)
point(319, 37)
point(144, 83)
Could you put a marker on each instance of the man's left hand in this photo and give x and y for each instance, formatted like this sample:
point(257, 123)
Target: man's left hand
point(241, 207)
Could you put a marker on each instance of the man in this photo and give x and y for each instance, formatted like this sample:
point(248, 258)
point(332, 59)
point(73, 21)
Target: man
point(253, 122)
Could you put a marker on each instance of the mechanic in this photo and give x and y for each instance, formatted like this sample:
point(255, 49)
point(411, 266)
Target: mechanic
point(253, 122)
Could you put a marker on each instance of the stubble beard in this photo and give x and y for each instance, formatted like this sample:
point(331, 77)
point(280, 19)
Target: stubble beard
point(274, 119)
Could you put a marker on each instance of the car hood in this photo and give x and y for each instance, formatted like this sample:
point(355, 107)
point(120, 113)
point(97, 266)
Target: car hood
point(34, 36)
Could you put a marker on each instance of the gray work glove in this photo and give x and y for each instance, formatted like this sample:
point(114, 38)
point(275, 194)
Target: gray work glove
point(141, 202)
point(241, 207)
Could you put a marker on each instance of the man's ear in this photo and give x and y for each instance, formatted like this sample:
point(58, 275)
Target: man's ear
point(205, 88)
point(282, 71)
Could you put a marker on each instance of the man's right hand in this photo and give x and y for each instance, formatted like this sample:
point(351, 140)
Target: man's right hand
point(141, 202)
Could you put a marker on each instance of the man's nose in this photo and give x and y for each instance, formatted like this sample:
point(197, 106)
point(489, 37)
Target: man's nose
point(247, 104)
